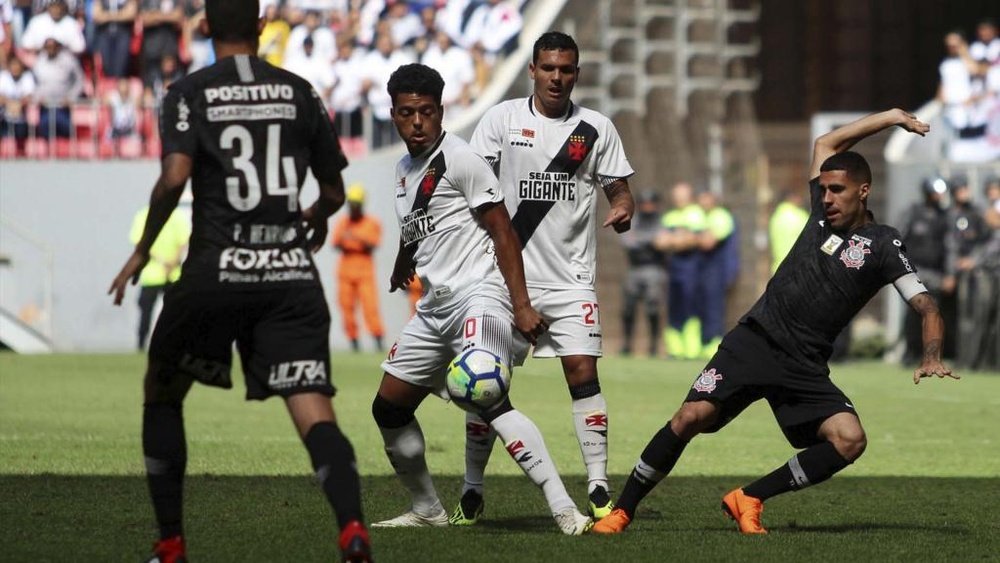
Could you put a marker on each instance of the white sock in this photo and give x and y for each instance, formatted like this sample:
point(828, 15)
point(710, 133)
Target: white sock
point(405, 448)
point(590, 418)
point(479, 438)
point(524, 443)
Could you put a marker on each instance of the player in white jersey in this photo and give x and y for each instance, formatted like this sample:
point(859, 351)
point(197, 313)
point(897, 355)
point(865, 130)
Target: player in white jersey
point(552, 158)
point(456, 235)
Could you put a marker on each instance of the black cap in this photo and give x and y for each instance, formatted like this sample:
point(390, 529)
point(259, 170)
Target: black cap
point(958, 181)
point(934, 185)
point(648, 196)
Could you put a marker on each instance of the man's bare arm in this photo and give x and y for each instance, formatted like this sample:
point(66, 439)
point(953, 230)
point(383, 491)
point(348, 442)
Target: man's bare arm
point(496, 221)
point(843, 138)
point(622, 206)
point(933, 337)
point(174, 173)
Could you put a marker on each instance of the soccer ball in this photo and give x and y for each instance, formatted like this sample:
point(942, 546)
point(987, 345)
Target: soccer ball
point(477, 380)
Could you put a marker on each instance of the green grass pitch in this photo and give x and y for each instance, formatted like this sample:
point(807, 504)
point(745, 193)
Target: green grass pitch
point(72, 486)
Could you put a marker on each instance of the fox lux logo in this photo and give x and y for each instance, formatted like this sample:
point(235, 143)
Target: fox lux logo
point(299, 372)
point(577, 148)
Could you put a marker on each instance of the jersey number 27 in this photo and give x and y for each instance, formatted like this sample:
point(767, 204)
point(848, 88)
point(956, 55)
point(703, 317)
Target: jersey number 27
point(243, 162)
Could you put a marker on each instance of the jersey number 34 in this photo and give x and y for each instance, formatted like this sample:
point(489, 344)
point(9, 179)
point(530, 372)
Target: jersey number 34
point(243, 161)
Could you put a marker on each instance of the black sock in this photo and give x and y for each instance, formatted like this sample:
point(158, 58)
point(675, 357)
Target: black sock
point(656, 461)
point(165, 451)
point(333, 459)
point(811, 466)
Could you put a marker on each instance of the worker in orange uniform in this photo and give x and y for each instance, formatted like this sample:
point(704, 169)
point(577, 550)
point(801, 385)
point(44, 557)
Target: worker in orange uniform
point(356, 236)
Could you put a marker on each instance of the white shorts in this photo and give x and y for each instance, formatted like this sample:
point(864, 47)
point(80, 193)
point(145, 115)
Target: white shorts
point(574, 322)
point(432, 339)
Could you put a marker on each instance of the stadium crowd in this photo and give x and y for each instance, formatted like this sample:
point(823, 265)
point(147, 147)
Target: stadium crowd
point(970, 93)
point(89, 74)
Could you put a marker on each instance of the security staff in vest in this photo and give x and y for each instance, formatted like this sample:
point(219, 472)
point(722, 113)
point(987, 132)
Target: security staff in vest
point(682, 227)
point(785, 224)
point(164, 266)
point(968, 232)
point(718, 269)
point(924, 232)
point(646, 278)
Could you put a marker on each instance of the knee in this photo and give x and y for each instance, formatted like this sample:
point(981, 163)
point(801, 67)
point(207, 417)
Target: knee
point(693, 418)
point(388, 415)
point(580, 371)
point(850, 444)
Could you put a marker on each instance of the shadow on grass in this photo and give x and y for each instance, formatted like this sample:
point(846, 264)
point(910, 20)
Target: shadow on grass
point(286, 518)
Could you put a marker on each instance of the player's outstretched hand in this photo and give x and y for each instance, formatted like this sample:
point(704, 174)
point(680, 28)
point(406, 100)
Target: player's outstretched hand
point(620, 218)
point(316, 229)
point(931, 368)
point(129, 274)
point(529, 323)
point(910, 122)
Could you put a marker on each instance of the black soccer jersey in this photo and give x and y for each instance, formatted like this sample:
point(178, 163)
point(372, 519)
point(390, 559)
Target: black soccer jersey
point(252, 130)
point(824, 281)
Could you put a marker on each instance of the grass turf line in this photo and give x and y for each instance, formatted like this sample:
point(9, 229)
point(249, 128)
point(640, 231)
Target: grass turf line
point(70, 470)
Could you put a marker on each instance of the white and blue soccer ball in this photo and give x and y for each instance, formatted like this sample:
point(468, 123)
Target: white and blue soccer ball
point(477, 380)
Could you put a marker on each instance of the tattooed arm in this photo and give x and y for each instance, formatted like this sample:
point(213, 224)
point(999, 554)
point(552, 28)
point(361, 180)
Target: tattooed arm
point(933, 336)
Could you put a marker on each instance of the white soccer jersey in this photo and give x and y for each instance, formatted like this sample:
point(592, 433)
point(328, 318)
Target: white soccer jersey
point(436, 194)
point(549, 170)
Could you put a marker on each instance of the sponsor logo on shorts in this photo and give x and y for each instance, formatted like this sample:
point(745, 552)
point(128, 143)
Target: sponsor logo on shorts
point(706, 382)
point(208, 372)
point(299, 372)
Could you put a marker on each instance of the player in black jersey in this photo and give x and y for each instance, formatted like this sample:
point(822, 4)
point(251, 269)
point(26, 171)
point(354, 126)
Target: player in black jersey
point(245, 133)
point(779, 350)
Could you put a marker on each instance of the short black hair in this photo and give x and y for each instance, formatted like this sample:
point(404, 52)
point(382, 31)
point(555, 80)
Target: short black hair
point(554, 41)
point(415, 78)
point(233, 20)
point(852, 163)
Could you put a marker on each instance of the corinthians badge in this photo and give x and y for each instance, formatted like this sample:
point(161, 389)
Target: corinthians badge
point(854, 255)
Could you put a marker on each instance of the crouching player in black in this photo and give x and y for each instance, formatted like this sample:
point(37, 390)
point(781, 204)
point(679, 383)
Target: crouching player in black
point(245, 132)
point(779, 350)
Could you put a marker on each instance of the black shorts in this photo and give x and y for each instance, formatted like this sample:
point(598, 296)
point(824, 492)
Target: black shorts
point(748, 367)
point(282, 336)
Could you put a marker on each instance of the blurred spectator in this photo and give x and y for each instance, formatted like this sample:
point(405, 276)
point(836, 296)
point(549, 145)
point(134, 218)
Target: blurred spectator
point(979, 333)
point(682, 226)
point(719, 267)
point(124, 110)
point(162, 21)
point(318, 72)
point(199, 45)
point(494, 27)
point(357, 235)
point(161, 78)
point(54, 23)
point(451, 16)
point(73, 7)
point(274, 36)
point(59, 82)
point(6, 31)
point(986, 48)
point(367, 21)
point(113, 23)
point(297, 9)
point(378, 66)
point(17, 86)
point(962, 91)
point(404, 25)
point(787, 221)
point(924, 231)
point(324, 41)
point(645, 281)
point(346, 98)
point(968, 233)
point(456, 68)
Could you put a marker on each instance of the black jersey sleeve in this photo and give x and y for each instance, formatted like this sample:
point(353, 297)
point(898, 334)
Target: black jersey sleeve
point(893, 263)
point(326, 157)
point(177, 133)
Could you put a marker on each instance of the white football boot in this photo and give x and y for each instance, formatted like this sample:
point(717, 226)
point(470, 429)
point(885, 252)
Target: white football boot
point(411, 519)
point(572, 523)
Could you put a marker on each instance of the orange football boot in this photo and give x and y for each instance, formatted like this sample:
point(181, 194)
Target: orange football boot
point(614, 523)
point(745, 510)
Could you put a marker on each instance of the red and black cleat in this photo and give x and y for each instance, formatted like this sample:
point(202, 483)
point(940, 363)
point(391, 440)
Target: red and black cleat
point(170, 550)
point(354, 544)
